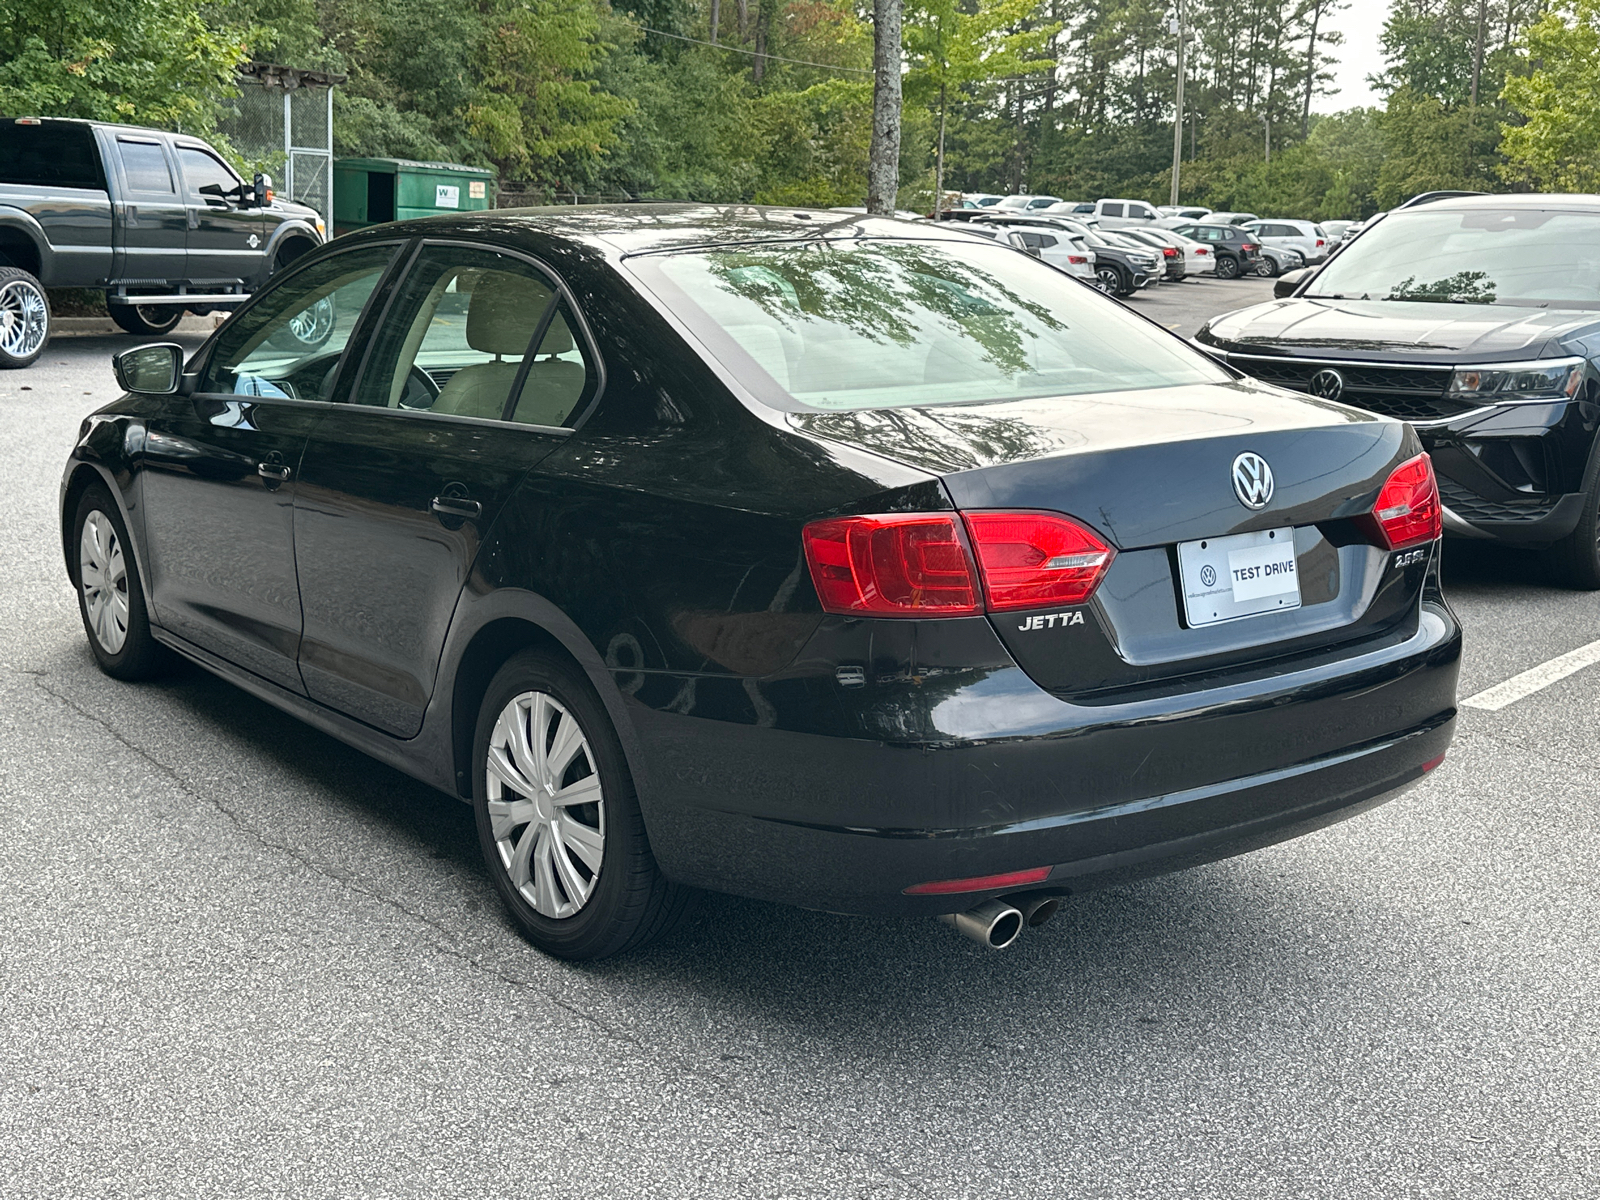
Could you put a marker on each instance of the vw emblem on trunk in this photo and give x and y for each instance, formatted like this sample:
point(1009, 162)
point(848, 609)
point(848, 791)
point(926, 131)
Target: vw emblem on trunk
point(1252, 480)
point(1327, 385)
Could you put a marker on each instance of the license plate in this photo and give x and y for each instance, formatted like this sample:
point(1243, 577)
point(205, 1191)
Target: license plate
point(1240, 576)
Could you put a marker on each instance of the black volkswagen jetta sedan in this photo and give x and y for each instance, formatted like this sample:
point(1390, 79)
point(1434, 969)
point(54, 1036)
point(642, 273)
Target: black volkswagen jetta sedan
point(1477, 319)
point(846, 562)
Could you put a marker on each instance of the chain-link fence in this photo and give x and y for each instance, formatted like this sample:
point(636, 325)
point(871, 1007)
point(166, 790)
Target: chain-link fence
point(524, 195)
point(282, 123)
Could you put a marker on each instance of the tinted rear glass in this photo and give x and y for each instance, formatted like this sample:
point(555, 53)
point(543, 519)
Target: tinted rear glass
point(1478, 256)
point(898, 324)
point(49, 155)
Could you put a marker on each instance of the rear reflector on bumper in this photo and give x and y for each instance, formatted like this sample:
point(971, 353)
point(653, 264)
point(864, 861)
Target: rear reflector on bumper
point(980, 883)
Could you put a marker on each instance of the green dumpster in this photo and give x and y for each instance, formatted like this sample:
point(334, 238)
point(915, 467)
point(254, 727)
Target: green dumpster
point(370, 191)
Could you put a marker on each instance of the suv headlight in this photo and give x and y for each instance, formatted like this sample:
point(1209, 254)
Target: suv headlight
point(1507, 383)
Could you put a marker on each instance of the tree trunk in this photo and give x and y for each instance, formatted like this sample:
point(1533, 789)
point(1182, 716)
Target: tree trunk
point(758, 67)
point(716, 19)
point(744, 19)
point(1311, 68)
point(938, 162)
point(883, 157)
point(1477, 56)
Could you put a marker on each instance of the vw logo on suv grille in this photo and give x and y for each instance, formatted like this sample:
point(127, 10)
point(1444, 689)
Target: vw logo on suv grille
point(1252, 480)
point(1327, 385)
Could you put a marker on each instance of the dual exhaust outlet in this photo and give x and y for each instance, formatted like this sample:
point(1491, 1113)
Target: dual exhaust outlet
point(998, 923)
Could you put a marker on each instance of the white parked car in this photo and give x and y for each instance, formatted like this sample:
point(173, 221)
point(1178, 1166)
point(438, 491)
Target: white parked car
point(980, 199)
point(1337, 230)
point(1231, 218)
point(1196, 256)
point(1079, 210)
point(1308, 238)
point(1121, 214)
point(1057, 247)
point(1028, 203)
point(1187, 212)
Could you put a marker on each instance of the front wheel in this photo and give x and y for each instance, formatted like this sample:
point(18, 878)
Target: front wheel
point(24, 318)
point(1109, 280)
point(110, 597)
point(558, 820)
point(147, 320)
point(1227, 268)
point(1267, 268)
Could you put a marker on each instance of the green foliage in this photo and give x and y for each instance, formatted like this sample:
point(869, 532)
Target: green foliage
point(1557, 146)
point(150, 62)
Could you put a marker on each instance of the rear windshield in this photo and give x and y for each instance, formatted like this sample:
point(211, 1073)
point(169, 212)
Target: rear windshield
point(1481, 256)
point(889, 324)
point(48, 155)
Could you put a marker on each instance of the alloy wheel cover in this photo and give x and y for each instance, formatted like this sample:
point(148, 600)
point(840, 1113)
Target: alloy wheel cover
point(103, 576)
point(546, 804)
point(24, 318)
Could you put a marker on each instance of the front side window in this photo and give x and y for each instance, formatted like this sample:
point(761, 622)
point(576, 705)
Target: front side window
point(145, 165)
point(1516, 256)
point(202, 170)
point(288, 343)
point(476, 333)
point(843, 326)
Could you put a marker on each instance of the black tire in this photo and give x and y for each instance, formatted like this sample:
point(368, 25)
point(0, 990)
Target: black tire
point(139, 656)
point(631, 902)
point(1574, 561)
point(1110, 280)
point(1227, 267)
point(147, 320)
point(24, 304)
point(1267, 268)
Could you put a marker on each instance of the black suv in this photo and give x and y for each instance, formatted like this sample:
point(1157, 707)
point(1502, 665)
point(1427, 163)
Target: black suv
point(1477, 319)
point(1237, 250)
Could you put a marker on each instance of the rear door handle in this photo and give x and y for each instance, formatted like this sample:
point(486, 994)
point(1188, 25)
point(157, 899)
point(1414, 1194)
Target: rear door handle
point(271, 470)
point(456, 506)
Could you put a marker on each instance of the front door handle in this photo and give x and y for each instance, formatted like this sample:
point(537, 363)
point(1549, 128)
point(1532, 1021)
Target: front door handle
point(456, 506)
point(272, 470)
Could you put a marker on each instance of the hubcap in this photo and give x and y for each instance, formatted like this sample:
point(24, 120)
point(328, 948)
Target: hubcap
point(103, 573)
point(24, 319)
point(546, 805)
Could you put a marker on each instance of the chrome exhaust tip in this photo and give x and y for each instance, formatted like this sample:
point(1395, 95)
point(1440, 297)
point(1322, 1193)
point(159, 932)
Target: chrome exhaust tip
point(1036, 910)
point(994, 923)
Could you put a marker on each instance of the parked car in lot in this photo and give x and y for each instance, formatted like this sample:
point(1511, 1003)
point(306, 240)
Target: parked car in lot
point(1477, 319)
point(1336, 230)
point(1306, 237)
point(1122, 214)
point(158, 220)
point(1237, 253)
point(844, 562)
point(1181, 255)
point(1187, 213)
point(1122, 269)
point(1081, 210)
point(1027, 203)
point(1272, 261)
point(1054, 246)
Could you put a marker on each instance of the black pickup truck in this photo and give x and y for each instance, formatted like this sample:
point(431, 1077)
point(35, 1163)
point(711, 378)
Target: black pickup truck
point(159, 220)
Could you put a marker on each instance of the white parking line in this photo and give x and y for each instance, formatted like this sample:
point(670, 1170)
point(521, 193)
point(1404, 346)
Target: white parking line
point(1532, 680)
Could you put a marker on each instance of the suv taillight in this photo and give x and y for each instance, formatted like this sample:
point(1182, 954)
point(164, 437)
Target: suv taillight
point(1168, 252)
point(922, 564)
point(1248, 247)
point(1407, 512)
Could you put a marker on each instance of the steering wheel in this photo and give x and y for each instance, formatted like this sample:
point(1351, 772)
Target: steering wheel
point(420, 391)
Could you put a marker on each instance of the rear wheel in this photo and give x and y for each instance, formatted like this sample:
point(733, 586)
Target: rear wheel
point(1574, 561)
point(558, 820)
point(24, 318)
point(147, 320)
point(1227, 267)
point(110, 598)
point(1266, 267)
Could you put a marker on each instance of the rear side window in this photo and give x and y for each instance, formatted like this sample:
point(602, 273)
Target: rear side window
point(49, 155)
point(144, 165)
point(1113, 210)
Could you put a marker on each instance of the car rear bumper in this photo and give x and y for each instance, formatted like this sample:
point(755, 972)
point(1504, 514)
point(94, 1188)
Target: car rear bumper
point(745, 792)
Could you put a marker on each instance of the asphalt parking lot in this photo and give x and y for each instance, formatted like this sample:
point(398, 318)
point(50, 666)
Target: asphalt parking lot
point(240, 959)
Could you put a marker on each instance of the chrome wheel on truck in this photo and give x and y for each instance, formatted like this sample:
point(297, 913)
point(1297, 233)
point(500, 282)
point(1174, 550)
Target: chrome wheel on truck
point(24, 318)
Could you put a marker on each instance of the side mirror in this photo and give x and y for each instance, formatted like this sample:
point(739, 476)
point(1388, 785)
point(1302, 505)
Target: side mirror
point(1285, 285)
point(261, 190)
point(149, 370)
point(215, 195)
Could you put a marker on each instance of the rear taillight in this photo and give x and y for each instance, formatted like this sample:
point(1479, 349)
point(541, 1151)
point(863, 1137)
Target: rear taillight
point(1249, 246)
point(920, 564)
point(913, 565)
point(1319, 241)
point(1035, 560)
point(1081, 260)
point(1201, 250)
point(1407, 512)
point(1169, 252)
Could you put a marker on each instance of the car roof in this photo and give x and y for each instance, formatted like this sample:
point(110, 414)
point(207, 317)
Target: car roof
point(652, 228)
point(1572, 201)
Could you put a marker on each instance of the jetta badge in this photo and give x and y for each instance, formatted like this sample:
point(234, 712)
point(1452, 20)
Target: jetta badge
point(1327, 385)
point(1252, 480)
